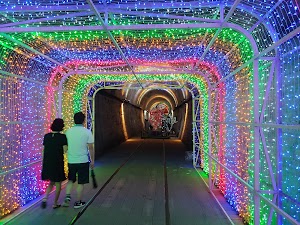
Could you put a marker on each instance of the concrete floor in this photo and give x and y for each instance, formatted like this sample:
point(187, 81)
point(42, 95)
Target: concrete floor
point(136, 194)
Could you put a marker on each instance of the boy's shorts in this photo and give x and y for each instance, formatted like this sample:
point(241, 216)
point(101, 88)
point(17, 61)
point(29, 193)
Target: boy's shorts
point(81, 169)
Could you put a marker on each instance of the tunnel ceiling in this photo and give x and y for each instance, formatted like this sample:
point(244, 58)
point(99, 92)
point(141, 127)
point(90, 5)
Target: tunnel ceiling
point(149, 97)
point(48, 41)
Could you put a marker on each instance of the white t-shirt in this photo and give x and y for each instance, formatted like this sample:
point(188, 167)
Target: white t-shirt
point(78, 138)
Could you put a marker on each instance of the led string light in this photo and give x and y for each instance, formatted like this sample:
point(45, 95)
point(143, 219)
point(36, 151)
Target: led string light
point(82, 46)
point(290, 114)
point(205, 166)
point(80, 98)
point(21, 143)
point(79, 92)
point(172, 33)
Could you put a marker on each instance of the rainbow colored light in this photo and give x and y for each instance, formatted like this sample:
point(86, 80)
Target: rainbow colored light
point(33, 100)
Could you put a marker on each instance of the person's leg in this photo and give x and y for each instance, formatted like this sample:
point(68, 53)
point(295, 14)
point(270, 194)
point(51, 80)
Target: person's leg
point(79, 191)
point(69, 187)
point(57, 192)
point(72, 178)
point(83, 178)
point(48, 190)
point(68, 194)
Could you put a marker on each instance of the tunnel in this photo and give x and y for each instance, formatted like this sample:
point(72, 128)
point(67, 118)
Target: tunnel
point(153, 112)
point(208, 87)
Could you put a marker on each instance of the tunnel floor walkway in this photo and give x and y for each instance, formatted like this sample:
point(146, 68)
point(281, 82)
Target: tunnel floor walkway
point(156, 186)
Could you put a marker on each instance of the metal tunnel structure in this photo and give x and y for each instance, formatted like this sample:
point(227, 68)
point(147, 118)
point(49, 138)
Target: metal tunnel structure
point(237, 61)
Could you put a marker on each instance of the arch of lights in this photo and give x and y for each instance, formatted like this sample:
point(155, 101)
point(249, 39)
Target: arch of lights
point(245, 121)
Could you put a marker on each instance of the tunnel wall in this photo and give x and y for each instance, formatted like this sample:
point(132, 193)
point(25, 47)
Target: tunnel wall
point(184, 128)
point(109, 131)
point(133, 120)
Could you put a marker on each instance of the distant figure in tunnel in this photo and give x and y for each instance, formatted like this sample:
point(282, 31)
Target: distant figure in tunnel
point(55, 144)
point(81, 155)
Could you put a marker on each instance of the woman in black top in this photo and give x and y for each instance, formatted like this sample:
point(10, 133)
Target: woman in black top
point(55, 145)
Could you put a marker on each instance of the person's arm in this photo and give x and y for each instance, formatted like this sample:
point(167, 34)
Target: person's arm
point(65, 144)
point(43, 148)
point(65, 147)
point(92, 154)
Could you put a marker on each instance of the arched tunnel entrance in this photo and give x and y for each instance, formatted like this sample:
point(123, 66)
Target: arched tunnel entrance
point(155, 113)
point(117, 113)
point(191, 89)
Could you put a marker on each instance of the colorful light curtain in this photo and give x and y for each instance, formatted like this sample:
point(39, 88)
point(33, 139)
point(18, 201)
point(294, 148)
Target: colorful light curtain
point(30, 94)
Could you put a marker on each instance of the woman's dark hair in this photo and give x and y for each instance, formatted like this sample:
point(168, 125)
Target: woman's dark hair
point(57, 125)
point(79, 118)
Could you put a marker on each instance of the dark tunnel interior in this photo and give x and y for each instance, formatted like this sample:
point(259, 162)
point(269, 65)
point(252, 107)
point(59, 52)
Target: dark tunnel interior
point(119, 117)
